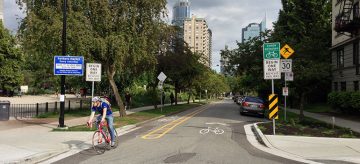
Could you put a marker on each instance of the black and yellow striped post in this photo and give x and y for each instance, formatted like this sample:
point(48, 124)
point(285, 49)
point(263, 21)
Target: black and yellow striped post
point(273, 106)
point(273, 109)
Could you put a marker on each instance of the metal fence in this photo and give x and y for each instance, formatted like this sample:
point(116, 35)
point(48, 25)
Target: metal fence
point(32, 110)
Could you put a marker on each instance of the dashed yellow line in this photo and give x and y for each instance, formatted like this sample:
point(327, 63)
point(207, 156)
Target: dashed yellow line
point(159, 132)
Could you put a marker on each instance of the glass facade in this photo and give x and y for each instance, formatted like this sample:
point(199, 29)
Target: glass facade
point(253, 30)
point(181, 11)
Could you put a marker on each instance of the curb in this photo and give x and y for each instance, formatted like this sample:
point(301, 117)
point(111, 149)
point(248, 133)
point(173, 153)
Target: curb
point(257, 139)
point(260, 136)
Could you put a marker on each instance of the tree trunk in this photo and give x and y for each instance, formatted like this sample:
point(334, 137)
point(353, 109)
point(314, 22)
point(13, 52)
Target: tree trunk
point(302, 102)
point(176, 94)
point(110, 73)
point(188, 100)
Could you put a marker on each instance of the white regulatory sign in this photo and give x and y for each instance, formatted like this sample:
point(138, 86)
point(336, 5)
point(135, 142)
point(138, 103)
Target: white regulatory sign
point(286, 65)
point(93, 72)
point(162, 76)
point(272, 69)
point(285, 91)
point(289, 76)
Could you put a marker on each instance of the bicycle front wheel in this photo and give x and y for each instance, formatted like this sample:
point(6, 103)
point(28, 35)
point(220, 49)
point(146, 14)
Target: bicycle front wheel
point(99, 142)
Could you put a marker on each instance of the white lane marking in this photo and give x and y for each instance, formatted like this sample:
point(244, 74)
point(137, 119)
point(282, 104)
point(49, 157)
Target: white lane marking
point(216, 123)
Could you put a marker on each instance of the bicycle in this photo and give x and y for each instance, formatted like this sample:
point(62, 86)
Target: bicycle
point(271, 55)
point(209, 129)
point(101, 138)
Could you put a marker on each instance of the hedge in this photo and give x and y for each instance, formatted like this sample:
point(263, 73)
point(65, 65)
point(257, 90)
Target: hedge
point(344, 100)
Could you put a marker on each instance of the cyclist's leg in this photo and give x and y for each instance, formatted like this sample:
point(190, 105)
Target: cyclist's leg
point(110, 120)
point(98, 118)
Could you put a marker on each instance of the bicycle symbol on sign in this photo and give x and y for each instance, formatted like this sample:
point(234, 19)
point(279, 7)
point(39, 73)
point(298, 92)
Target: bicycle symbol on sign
point(271, 54)
point(214, 130)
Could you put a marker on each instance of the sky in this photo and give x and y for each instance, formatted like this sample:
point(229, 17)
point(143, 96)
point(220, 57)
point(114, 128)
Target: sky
point(225, 18)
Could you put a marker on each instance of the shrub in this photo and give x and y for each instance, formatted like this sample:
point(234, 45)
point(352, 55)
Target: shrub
point(346, 101)
point(355, 100)
point(333, 98)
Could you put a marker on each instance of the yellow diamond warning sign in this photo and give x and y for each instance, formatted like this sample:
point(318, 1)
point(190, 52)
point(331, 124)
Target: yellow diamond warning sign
point(286, 51)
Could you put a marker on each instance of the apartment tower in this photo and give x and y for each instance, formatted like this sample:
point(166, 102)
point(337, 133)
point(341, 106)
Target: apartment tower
point(199, 38)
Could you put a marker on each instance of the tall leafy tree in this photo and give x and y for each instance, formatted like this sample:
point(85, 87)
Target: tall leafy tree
point(306, 26)
point(11, 61)
point(181, 65)
point(122, 35)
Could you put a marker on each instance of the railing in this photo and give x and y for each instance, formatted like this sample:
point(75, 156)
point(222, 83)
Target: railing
point(33, 110)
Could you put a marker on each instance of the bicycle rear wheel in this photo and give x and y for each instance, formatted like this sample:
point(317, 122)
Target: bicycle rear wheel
point(99, 142)
point(116, 138)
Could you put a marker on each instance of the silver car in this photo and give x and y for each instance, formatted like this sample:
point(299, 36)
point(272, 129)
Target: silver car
point(252, 105)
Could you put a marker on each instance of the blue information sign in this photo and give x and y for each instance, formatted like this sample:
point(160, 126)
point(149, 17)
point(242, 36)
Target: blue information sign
point(69, 65)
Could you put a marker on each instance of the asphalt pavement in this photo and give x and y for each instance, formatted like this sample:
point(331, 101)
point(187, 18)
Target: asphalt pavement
point(214, 133)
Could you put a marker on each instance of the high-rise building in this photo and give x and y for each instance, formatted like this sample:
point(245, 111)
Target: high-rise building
point(181, 11)
point(199, 38)
point(253, 30)
point(2, 10)
point(345, 51)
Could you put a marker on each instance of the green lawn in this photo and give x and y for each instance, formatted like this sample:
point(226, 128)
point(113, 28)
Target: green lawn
point(318, 108)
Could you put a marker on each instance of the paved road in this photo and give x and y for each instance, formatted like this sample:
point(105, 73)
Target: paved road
point(181, 142)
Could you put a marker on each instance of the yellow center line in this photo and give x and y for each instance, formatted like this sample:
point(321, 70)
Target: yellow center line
point(168, 127)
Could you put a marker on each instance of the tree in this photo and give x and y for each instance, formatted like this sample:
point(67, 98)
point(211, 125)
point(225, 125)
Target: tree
point(306, 26)
point(11, 61)
point(181, 65)
point(122, 35)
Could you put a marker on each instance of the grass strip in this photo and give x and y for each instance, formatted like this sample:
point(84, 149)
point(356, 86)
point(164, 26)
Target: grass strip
point(138, 116)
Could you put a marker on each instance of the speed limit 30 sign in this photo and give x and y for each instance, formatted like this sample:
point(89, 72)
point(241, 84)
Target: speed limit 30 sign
point(286, 65)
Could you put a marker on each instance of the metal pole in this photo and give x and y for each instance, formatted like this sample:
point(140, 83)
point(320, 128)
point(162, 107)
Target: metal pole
point(285, 102)
point(92, 90)
point(272, 91)
point(161, 100)
point(62, 96)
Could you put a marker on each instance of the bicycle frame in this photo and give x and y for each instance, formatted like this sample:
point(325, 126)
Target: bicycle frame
point(100, 128)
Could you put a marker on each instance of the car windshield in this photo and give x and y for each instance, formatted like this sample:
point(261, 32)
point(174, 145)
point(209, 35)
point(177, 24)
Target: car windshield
point(254, 99)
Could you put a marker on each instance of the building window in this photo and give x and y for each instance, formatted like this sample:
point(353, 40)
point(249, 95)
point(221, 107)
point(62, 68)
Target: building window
point(343, 86)
point(356, 85)
point(340, 58)
point(336, 88)
point(356, 10)
point(356, 53)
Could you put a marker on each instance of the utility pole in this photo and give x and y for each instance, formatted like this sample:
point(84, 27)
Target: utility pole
point(62, 82)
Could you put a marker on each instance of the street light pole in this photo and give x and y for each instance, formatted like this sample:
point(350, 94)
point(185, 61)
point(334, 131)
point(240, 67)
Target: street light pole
point(62, 92)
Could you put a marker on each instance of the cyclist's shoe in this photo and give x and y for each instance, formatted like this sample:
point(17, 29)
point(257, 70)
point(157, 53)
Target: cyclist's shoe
point(112, 144)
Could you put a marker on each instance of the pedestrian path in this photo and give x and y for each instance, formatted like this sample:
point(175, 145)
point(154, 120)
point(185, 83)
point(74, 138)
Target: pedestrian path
point(37, 141)
point(354, 125)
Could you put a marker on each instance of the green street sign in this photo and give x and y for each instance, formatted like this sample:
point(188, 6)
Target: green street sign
point(271, 50)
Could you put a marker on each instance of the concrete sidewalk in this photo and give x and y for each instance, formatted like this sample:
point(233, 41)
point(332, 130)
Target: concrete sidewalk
point(313, 149)
point(354, 125)
point(36, 142)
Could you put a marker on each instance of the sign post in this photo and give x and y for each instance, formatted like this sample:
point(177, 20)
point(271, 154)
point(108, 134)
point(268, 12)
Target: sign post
point(93, 73)
point(286, 67)
point(162, 78)
point(271, 54)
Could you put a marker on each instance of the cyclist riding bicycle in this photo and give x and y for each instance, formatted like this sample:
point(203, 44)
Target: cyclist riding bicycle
point(105, 113)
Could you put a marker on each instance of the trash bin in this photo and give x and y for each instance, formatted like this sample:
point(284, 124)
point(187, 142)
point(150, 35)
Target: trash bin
point(4, 110)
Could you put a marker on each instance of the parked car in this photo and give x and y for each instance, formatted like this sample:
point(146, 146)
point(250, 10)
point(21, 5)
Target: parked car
point(252, 105)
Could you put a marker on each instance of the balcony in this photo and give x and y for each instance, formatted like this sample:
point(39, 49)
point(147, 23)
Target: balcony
point(348, 19)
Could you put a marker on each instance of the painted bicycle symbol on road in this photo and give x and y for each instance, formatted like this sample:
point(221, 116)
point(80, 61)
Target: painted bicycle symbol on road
point(210, 129)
